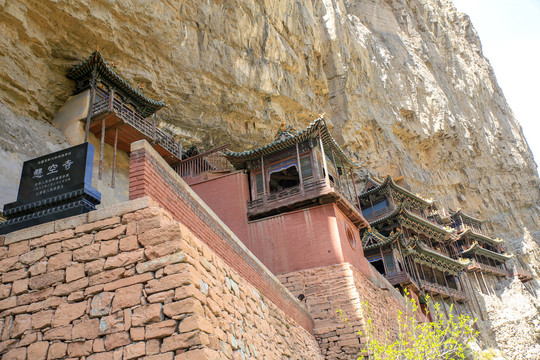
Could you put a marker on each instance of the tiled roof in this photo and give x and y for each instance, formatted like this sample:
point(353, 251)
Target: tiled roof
point(476, 248)
point(470, 232)
point(460, 212)
point(239, 159)
point(388, 181)
point(105, 71)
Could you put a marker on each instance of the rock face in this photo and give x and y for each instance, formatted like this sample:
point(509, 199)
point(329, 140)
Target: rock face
point(404, 85)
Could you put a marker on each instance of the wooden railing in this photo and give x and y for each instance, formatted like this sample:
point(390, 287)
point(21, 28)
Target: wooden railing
point(145, 126)
point(477, 265)
point(286, 193)
point(476, 230)
point(441, 289)
point(522, 274)
point(433, 249)
point(211, 160)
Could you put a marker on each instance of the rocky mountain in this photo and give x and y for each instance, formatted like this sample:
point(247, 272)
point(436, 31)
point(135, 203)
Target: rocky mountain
point(404, 84)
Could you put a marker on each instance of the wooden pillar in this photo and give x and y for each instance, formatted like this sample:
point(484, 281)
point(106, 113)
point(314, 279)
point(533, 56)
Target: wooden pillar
point(475, 298)
point(154, 128)
point(384, 261)
point(299, 169)
point(113, 178)
point(91, 104)
point(335, 167)
point(444, 306)
point(478, 282)
point(263, 178)
point(354, 187)
point(485, 284)
point(346, 183)
point(325, 167)
point(434, 276)
point(423, 273)
point(111, 100)
point(102, 150)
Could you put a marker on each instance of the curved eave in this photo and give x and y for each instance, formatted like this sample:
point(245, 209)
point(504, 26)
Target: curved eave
point(428, 223)
point(477, 249)
point(238, 159)
point(460, 212)
point(382, 240)
point(388, 181)
point(484, 238)
point(103, 70)
point(396, 211)
point(458, 264)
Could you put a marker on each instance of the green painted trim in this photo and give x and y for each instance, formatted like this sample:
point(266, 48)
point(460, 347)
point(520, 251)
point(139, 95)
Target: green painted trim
point(238, 159)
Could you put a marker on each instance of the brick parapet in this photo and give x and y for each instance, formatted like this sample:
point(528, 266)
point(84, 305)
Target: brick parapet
point(151, 176)
point(131, 282)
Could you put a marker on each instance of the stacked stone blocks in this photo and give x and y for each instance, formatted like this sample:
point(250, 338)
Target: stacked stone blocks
point(133, 285)
point(342, 287)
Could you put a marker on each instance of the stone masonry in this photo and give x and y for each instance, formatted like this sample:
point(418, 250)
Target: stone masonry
point(130, 282)
point(343, 287)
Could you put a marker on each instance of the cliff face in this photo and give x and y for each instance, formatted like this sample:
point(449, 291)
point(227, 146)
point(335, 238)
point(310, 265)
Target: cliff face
point(403, 82)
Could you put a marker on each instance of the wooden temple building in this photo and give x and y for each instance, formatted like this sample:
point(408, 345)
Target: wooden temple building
point(421, 248)
point(293, 202)
point(119, 113)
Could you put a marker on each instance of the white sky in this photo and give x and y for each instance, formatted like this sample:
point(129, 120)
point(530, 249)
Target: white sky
point(510, 34)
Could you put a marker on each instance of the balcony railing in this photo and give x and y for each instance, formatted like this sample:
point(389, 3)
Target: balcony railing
point(477, 265)
point(441, 289)
point(522, 274)
point(145, 126)
point(211, 160)
point(309, 188)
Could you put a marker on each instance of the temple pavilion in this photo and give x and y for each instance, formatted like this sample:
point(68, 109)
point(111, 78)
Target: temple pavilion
point(408, 247)
point(299, 169)
point(418, 246)
point(293, 202)
point(120, 113)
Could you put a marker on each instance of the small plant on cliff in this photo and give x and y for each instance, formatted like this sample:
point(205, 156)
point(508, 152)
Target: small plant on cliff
point(442, 338)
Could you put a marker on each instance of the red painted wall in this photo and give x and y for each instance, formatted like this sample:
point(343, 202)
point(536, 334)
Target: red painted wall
point(305, 239)
point(227, 196)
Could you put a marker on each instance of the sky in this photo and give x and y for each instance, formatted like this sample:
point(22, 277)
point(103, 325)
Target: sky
point(510, 34)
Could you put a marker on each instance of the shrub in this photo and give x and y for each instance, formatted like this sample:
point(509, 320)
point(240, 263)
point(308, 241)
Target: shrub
point(442, 338)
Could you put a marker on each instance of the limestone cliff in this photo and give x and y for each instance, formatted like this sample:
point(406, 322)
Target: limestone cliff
point(403, 82)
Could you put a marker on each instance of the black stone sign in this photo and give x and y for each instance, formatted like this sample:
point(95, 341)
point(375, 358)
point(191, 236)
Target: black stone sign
point(52, 187)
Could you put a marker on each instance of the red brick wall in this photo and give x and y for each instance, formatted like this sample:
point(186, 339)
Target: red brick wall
point(151, 176)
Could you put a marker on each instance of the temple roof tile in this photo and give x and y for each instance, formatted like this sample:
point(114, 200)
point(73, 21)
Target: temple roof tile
point(239, 159)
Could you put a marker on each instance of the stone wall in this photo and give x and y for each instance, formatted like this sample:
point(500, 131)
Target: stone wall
point(343, 287)
point(130, 282)
point(151, 176)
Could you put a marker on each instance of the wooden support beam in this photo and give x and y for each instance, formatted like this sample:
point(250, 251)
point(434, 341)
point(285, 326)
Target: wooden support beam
point(325, 167)
point(300, 177)
point(91, 103)
point(263, 178)
point(102, 149)
point(113, 176)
